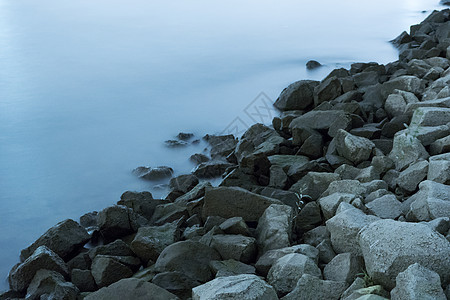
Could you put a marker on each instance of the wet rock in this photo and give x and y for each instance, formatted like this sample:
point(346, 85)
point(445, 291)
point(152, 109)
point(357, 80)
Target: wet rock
point(89, 220)
point(198, 158)
point(132, 288)
point(211, 169)
point(64, 238)
point(157, 173)
point(407, 150)
point(229, 202)
point(385, 207)
point(235, 225)
point(287, 270)
point(245, 287)
point(176, 283)
point(275, 228)
point(184, 136)
point(343, 267)
point(42, 258)
point(417, 282)
point(237, 247)
point(188, 257)
point(107, 271)
point(297, 96)
point(389, 247)
point(230, 267)
point(312, 287)
point(83, 280)
point(51, 285)
point(314, 184)
point(313, 64)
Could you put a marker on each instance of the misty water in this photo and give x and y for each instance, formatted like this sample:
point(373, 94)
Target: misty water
point(90, 90)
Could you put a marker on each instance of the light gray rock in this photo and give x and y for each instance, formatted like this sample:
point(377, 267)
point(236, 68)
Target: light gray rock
point(235, 225)
point(315, 236)
point(357, 284)
point(404, 83)
point(287, 270)
point(131, 288)
point(343, 267)
point(410, 178)
point(297, 96)
point(245, 287)
point(347, 186)
point(107, 271)
point(237, 247)
point(406, 150)
point(51, 285)
point(427, 135)
point(431, 202)
point(229, 202)
point(274, 229)
point(329, 204)
point(188, 257)
point(385, 207)
point(42, 258)
point(312, 287)
point(344, 228)
point(376, 194)
point(314, 184)
point(330, 120)
point(439, 168)
point(389, 247)
point(431, 116)
point(64, 238)
point(230, 267)
point(395, 105)
point(417, 282)
point(354, 148)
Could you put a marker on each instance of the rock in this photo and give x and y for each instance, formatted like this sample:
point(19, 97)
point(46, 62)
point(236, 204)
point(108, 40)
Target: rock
point(213, 221)
point(89, 220)
point(297, 96)
point(141, 203)
point(328, 89)
point(357, 284)
point(117, 221)
point(395, 105)
point(329, 204)
point(431, 202)
point(313, 64)
point(266, 261)
point(82, 261)
point(221, 145)
point(404, 83)
point(314, 184)
point(184, 136)
point(412, 107)
point(198, 158)
point(331, 120)
point(389, 247)
point(439, 168)
point(315, 236)
point(176, 283)
point(287, 197)
point(343, 267)
point(344, 228)
point(410, 178)
point(278, 178)
point(385, 207)
point(417, 282)
point(175, 144)
point(107, 271)
point(431, 116)
point(150, 241)
point(229, 202)
point(118, 247)
point(237, 247)
point(355, 149)
point(170, 212)
point(64, 239)
point(51, 285)
point(42, 258)
point(157, 173)
point(245, 287)
point(307, 218)
point(406, 150)
point(274, 229)
point(83, 280)
point(441, 225)
point(211, 169)
point(197, 192)
point(326, 251)
point(347, 186)
point(230, 267)
point(374, 292)
point(183, 183)
point(188, 257)
point(287, 270)
point(131, 288)
point(440, 146)
point(312, 287)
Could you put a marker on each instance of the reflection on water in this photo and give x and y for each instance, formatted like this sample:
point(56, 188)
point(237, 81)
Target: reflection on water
point(91, 89)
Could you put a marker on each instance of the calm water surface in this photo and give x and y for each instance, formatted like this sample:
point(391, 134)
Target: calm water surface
point(91, 89)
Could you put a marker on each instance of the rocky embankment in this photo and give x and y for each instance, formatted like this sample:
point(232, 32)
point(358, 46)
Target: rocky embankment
point(346, 197)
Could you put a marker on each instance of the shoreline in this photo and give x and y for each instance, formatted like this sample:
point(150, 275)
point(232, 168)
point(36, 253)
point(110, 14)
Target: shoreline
point(339, 159)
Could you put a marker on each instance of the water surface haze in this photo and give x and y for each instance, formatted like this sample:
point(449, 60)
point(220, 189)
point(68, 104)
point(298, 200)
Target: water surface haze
point(90, 89)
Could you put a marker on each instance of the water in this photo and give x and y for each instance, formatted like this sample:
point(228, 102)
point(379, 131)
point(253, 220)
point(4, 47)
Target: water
point(91, 89)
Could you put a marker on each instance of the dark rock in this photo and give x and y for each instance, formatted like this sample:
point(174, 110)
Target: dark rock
point(198, 158)
point(175, 143)
point(183, 183)
point(89, 220)
point(331, 121)
point(403, 38)
point(297, 96)
point(157, 173)
point(312, 64)
point(117, 221)
point(176, 283)
point(83, 280)
point(140, 202)
point(235, 225)
point(185, 136)
point(211, 169)
point(82, 261)
point(107, 271)
point(195, 193)
point(170, 212)
point(118, 247)
point(221, 145)
point(230, 267)
point(51, 285)
point(237, 247)
point(327, 90)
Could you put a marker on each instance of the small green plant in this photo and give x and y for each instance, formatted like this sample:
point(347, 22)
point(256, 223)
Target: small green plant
point(300, 203)
point(368, 281)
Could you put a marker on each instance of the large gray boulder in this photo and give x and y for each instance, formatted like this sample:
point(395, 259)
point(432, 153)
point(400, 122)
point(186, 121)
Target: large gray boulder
point(229, 202)
point(406, 150)
point(354, 148)
point(156, 173)
point(235, 225)
point(404, 83)
point(188, 257)
point(107, 270)
point(439, 168)
point(329, 204)
point(42, 258)
point(297, 96)
point(131, 288)
point(287, 270)
point(390, 247)
point(314, 184)
point(64, 238)
point(385, 207)
point(274, 229)
point(431, 116)
point(410, 178)
point(117, 221)
point(417, 282)
point(312, 287)
point(330, 120)
point(245, 287)
point(51, 285)
point(238, 247)
point(343, 267)
point(432, 201)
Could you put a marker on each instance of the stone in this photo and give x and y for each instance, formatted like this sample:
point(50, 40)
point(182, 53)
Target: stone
point(441, 225)
point(385, 207)
point(230, 267)
point(132, 288)
point(287, 270)
point(165, 213)
point(307, 217)
point(198, 158)
point(297, 96)
point(117, 221)
point(107, 271)
point(417, 282)
point(374, 292)
point(81, 261)
point(83, 280)
point(89, 220)
point(154, 174)
point(64, 239)
point(439, 168)
point(140, 202)
point(314, 184)
point(312, 287)
point(235, 225)
point(213, 221)
point(329, 204)
point(357, 284)
point(278, 177)
point(150, 241)
point(42, 258)
point(313, 64)
point(51, 285)
point(228, 202)
point(330, 120)
point(118, 247)
point(343, 267)
point(244, 286)
point(326, 251)
point(197, 192)
point(410, 178)
point(237, 247)
point(176, 283)
point(440, 146)
point(175, 144)
point(221, 145)
point(404, 83)
point(315, 236)
point(274, 229)
point(189, 257)
point(183, 183)
point(354, 148)
point(211, 169)
point(328, 89)
point(395, 105)
point(431, 202)
point(431, 116)
point(266, 261)
point(390, 247)
point(344, 228)
point(406, 150)
point(347, 186)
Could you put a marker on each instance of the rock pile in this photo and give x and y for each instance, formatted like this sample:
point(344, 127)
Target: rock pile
point(347, 196)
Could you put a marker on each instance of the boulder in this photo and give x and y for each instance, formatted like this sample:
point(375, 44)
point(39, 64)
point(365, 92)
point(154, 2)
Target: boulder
point(141, 203)
point(230, 267)
point(385, 207)
point(165, 213)
point(297, 96)
point(330, 120)
point(118, 247)
point(431, 116)
point(237, 247)
point(51, 285)
point(326, 251)
point(410, 178)
point(407, 150)
point(315, 236)
point(183, 183)
point(374, 292)
point(440, 146)
point(83, 280)
point(152, 174)
point(176, 283)
point(390, 247)
point(357, 284)
point(244, 286)
point(313, 64)
point(221, 145)
point(404, 83)
point(314, 184)
point(107, 271)
point(131, 288)
point(117, 221)
point(431, 202)
point(211, 169)
point(343, 267)
point(198, 158)
point(197, 192)
point(235, 225)
point(439, 168)
point(64, 239)
point(307, 217)
point(312, 287)
point(417, 282)
point(328, 89)
point(274, 229)
point(395, 105)
point(329, 204)
point(354, 148)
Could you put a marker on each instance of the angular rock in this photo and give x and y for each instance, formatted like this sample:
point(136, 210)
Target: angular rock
point(237, 247)
point(51, 285)
point(343, 267)
point(329, 204)
point(198, 158)
point(431, 202)
point(230, 267)
point(439, 168)
point(314, 184)
point(221, 145)
point(83, 280)
point(118, 247)
point(165, 213)
point(117, 221)
point(107, 271)
point(307, 218)
point(385, 207)
point(176, 283)
point(354, 148)
point(406, 150)
point(328, 89)
point(157, 173)
point(390, 247)
point(211, 169)
point(331, 120)
point(440, 146)
point(315, 236)
point(140, 202)
point(404, 83)
point(395, 105)
point(410, 178)
point(183, 183)
point(312, 287)
point(274, 229)
point(431, 116)
point(197, 192)
point(326, 251)
point(235, 225)
point(297, 96)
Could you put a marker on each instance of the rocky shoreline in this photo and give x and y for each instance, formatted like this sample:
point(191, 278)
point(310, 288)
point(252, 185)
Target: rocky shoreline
point(346, 196)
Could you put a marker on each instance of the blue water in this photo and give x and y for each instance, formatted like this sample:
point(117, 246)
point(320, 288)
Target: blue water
point(91, 89)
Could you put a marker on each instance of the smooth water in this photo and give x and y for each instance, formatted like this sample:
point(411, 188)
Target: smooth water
point(90, 90)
